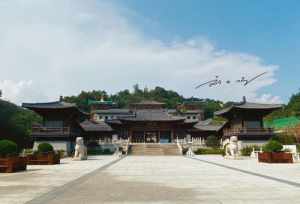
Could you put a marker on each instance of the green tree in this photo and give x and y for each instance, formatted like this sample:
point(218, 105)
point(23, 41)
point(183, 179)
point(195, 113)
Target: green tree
point(16, 123)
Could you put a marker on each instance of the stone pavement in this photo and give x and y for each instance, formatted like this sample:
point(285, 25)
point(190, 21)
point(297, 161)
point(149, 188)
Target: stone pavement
point(21, 187)
point(176, 179)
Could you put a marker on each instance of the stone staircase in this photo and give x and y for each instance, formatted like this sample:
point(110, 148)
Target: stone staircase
point(154, 149)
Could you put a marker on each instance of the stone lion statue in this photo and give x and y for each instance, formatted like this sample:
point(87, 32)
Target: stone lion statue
point(80, 150)
point(231, 148)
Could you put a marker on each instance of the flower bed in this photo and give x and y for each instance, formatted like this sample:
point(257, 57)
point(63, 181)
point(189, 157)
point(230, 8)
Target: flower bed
point(275, 157)
point(12, 164)
point(49, 158)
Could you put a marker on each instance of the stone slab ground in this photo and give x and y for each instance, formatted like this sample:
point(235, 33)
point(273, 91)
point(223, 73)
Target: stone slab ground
point(18, 188)
point(176, 179)
point(155, 179)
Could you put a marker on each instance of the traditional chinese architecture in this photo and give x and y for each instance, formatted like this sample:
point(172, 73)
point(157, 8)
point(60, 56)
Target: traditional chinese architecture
point(245, 120)
point(101, 105)
point(147, 104)
point(191, 110)
point(151, 126)
point(93, 131)
point(144, 122)
point(110, 114)
point(203, 129)
point(59, 125)
point(62, 123)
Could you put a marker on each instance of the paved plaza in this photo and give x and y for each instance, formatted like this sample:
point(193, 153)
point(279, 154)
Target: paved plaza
point(18, 188)
point(155, 179)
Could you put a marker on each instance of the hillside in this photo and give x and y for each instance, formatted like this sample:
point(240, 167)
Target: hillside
point(125, 97)
point(290, 110)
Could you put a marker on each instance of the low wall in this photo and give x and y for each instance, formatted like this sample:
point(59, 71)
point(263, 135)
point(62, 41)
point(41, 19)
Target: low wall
point(253, 142)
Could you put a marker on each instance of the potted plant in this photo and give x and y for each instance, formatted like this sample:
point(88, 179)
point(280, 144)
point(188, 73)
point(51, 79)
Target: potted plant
point(9, 158)
point(45, 155)
point(272, 153)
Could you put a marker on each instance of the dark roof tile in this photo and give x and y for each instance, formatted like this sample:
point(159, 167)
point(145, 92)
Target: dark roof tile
point(249, 106)
point(207, 125)
point(50, 105)
point(153, 115)
point(91, 126)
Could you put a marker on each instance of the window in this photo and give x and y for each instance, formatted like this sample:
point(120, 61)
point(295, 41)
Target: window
point(194, 117)
point(188, 117)
point(252, 124)
point(54, 123)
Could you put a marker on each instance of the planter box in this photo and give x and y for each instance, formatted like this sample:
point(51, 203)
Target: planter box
point(43, 159)
point(275, 157)
point(13, 164)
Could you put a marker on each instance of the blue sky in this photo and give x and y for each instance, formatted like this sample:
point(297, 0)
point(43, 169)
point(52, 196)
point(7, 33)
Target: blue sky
point(269, 29)
point(50, 48)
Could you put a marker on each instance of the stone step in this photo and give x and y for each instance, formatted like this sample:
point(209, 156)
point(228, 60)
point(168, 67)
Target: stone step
point(155, 149)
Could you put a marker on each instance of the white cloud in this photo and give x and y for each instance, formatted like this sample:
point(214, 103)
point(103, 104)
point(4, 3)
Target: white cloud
point(14, 91)
point(61, 47)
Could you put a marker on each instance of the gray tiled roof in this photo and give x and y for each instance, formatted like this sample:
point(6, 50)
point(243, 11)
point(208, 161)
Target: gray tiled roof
point(153, 115)
point(113, 111)
point(57, 105)
point(172, 110)
point(249, 106)
point(207, 125)
point(50, 105)
point(91, 126)
point(192, 112)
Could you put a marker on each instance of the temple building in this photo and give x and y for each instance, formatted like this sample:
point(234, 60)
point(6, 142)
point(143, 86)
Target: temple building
point(101, 104)
point(146, 122)
point(191, 110)
point(151, 126)
point(245, 120)
point(60, 125)
point(203, 129)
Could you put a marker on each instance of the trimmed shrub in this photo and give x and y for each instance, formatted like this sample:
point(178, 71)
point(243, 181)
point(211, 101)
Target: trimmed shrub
point(285, 139)
point(94, 151)
point(99, 151)
point(212, 141)
point(45, 148)
point(273, 146)
point(209, 151)
point(246, 151)
point(107, 152)
point(8, 148)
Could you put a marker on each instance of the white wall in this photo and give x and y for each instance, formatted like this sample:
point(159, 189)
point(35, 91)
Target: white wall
point(57, 145)
point(254, 142)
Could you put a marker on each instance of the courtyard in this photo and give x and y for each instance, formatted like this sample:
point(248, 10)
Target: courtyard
point(154, 179)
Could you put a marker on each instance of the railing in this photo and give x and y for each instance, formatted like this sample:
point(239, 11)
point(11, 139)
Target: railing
point(45, 131)
point(245, 131)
